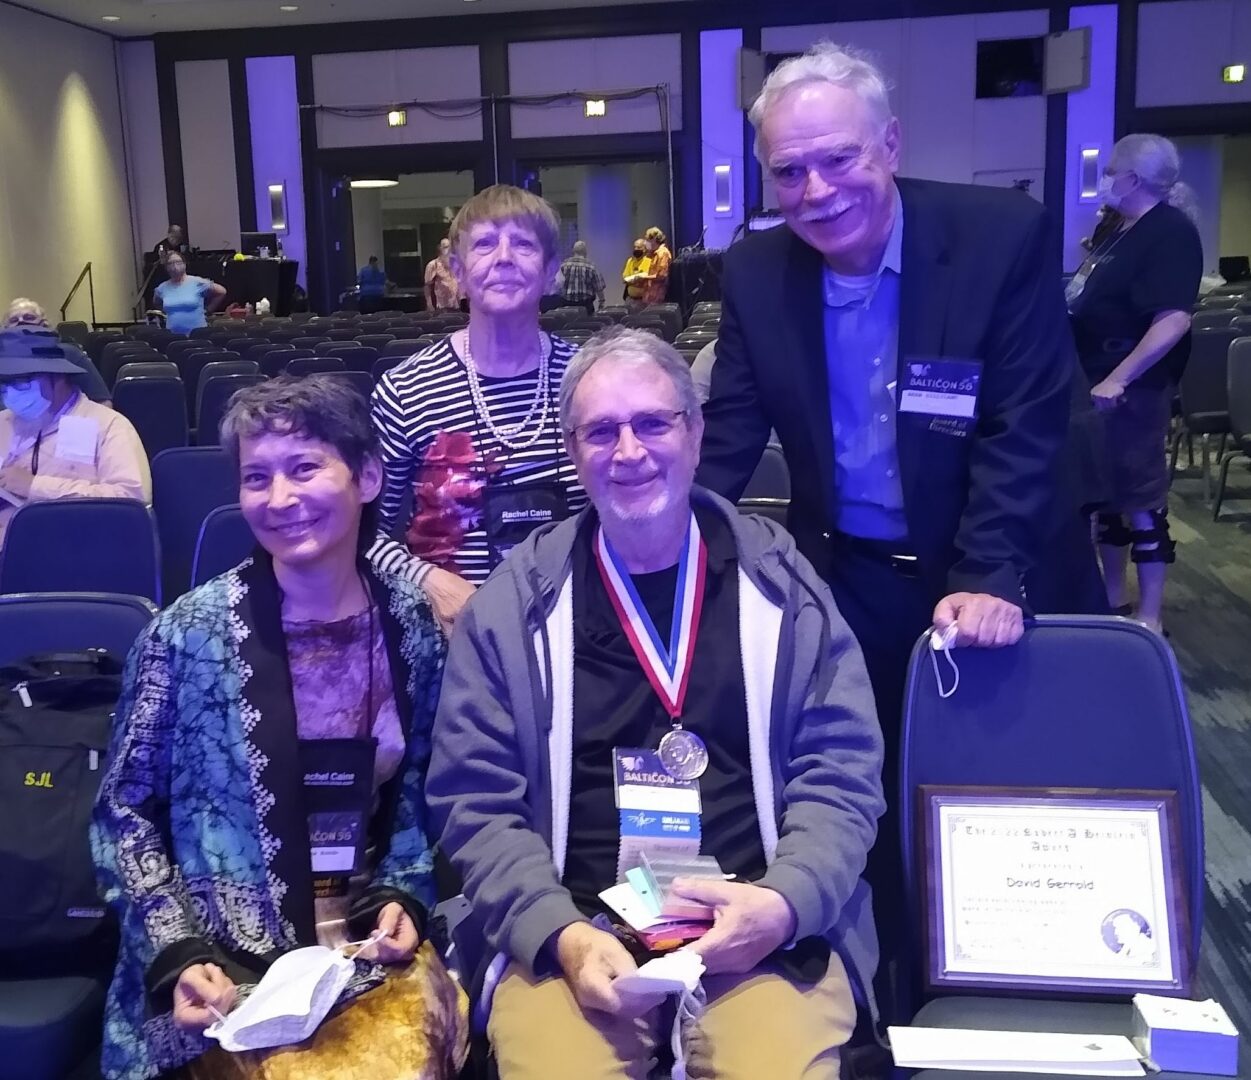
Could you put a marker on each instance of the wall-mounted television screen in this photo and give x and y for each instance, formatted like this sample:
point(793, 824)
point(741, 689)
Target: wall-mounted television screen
point(1010, 67)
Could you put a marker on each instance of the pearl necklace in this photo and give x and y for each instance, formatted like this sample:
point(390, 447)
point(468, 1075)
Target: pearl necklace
point(507, 435)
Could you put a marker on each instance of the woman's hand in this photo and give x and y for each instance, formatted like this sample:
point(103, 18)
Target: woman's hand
point(399, 941)
point(1108, 394)
point(201, 989)
point(448, 593)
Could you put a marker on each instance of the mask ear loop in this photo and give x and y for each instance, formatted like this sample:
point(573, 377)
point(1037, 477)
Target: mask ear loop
point(938, 644)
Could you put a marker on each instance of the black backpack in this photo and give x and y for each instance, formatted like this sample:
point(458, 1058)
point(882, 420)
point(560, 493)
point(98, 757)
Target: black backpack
point(56, 712)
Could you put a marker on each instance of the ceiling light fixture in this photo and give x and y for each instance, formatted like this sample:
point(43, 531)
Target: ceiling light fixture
point(288, 7)
point(375, 182)
point(1234, 73)
point(111, 18)
point(397, 118)
point(596, 107)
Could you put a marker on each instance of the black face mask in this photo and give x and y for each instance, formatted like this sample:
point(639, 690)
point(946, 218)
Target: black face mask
point(639, 254)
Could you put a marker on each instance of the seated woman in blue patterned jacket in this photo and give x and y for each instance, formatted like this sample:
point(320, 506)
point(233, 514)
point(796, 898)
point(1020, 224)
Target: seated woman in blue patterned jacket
point(265, 786)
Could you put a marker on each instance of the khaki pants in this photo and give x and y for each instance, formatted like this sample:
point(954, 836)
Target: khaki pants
point(755, 1025)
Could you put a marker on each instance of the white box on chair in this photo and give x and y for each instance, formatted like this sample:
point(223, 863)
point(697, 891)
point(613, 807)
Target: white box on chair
point(1185, 1036)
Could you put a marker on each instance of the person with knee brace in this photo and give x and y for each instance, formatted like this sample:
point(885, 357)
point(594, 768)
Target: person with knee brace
point(1129, 304)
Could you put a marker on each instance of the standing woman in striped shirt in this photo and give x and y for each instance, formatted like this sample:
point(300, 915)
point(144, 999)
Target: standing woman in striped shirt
point(470, 425)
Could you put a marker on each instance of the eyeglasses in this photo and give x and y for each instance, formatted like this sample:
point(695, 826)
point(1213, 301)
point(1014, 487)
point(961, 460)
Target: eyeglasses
point(647, 427)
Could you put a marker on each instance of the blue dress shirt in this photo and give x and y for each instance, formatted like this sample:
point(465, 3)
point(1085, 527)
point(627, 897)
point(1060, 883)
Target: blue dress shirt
point(861, 350)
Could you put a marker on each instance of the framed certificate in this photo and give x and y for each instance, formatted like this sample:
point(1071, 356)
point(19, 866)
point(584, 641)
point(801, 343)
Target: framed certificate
point(1045, 889)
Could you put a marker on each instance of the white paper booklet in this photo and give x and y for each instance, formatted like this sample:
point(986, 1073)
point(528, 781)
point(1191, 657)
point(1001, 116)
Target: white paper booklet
point(1014, 1051)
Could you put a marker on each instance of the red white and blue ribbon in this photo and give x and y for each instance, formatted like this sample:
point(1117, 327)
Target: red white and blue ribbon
point(667, 667)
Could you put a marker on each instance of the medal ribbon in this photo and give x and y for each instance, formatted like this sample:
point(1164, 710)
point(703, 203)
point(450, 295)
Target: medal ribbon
point(668, 668)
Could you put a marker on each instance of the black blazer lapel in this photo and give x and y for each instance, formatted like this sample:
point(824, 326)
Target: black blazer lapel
point(924, 304)
point(804, 299)
point(275, 736)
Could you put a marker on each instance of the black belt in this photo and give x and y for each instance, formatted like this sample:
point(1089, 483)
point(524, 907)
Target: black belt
point(891, 552)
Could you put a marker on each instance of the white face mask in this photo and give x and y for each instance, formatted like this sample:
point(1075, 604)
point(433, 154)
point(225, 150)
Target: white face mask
point(294, 996)
point(25, 402)
point(1106, 183)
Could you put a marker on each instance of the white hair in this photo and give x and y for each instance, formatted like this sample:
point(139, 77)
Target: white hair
point(825, 62)
point(1156, 162)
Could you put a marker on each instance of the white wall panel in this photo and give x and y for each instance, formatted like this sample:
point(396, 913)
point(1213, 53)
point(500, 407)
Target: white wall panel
point(388, 77)
point(590, 64)
point(145, 161)
point(208, 153)
point(1182, 47)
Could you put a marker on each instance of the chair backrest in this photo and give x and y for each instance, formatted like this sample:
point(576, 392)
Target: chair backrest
point(74, 331)
point(363, 381)
point(342, 333)
point(148, 369)
point(219, 368)
point(97, 340)
point(202, 333)
point(186, 484)
point(156, 336)
point(1203, 383)
point(117, 353)
point(158, 410)
point(313, 365)
point(244, 345)
point(1241, 325)
point(707, 306)
point(214, 398)
point(32, 623)
point(1239, 389)
point(82, 545)
point(1080, 702)
point(379, 340)
point(273, 359)
point(385, 363)
point(650, 321)
point(1218, 301)
point(309, 341)
point(225, 540)
point(402, 347)
point(190, 365)
point(355, 357)
point(551, 322)
point(772, 478)
point(1209, 317)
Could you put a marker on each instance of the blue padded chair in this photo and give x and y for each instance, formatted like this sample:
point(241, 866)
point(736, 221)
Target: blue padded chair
point(157, 407)
point(314, 365)
point(82, 545)
point(363, 381)
point(187, 484)
point(220, 369)
point(33, 623)
point(214, 399)
point(225, 541)
point(1057, 710)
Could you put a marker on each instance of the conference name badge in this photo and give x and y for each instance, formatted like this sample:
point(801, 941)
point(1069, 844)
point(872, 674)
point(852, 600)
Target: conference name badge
point(658, 813)
point(940, 388)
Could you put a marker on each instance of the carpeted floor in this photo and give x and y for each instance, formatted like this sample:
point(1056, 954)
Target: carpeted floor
point(1208, 616)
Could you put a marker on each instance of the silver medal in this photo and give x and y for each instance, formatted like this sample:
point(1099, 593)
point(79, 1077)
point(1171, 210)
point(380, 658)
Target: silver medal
point(683, 754)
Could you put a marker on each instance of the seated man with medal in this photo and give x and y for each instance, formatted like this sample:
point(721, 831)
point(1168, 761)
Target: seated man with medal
point(659, 634)
point(264, 787)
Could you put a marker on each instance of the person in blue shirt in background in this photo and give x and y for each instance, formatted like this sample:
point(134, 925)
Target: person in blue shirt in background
point(372, 282)
point(185, 299)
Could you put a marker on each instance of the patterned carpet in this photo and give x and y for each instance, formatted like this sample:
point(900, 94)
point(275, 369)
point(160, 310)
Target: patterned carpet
point(1209, 618)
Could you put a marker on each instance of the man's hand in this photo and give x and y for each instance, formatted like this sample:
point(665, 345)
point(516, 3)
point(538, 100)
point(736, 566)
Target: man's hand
point(399, 941)
point(448, 593)
point(592, 961)
point(749, 923)
point(201, 989)
point(984, 620)
point(16, 479)
point(1107, 395)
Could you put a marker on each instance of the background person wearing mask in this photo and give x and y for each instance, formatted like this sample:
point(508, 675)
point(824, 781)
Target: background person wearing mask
point(54, 442)
point(1129, 304)
point(175, 242)
point(185, 300)
point(657, 288)
point(635, 274)
point(25, 316)
point(442, 288)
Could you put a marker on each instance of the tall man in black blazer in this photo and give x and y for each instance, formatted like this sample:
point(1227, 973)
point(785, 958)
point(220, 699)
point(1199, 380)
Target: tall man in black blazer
point(908, 341)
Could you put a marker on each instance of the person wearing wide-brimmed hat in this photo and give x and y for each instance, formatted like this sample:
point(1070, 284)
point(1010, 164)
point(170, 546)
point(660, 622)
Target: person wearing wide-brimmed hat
point(28, 317)
point(54, 442)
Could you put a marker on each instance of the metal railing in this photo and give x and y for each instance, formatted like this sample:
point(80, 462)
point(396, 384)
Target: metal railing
point(91, 288)
point(137, 305)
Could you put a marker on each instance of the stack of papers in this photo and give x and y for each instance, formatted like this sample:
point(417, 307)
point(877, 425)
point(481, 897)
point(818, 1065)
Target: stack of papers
point(646, 901)
point(1013, 1051)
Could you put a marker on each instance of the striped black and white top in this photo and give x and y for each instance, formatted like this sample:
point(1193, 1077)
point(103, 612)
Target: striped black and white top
point(433, 441)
